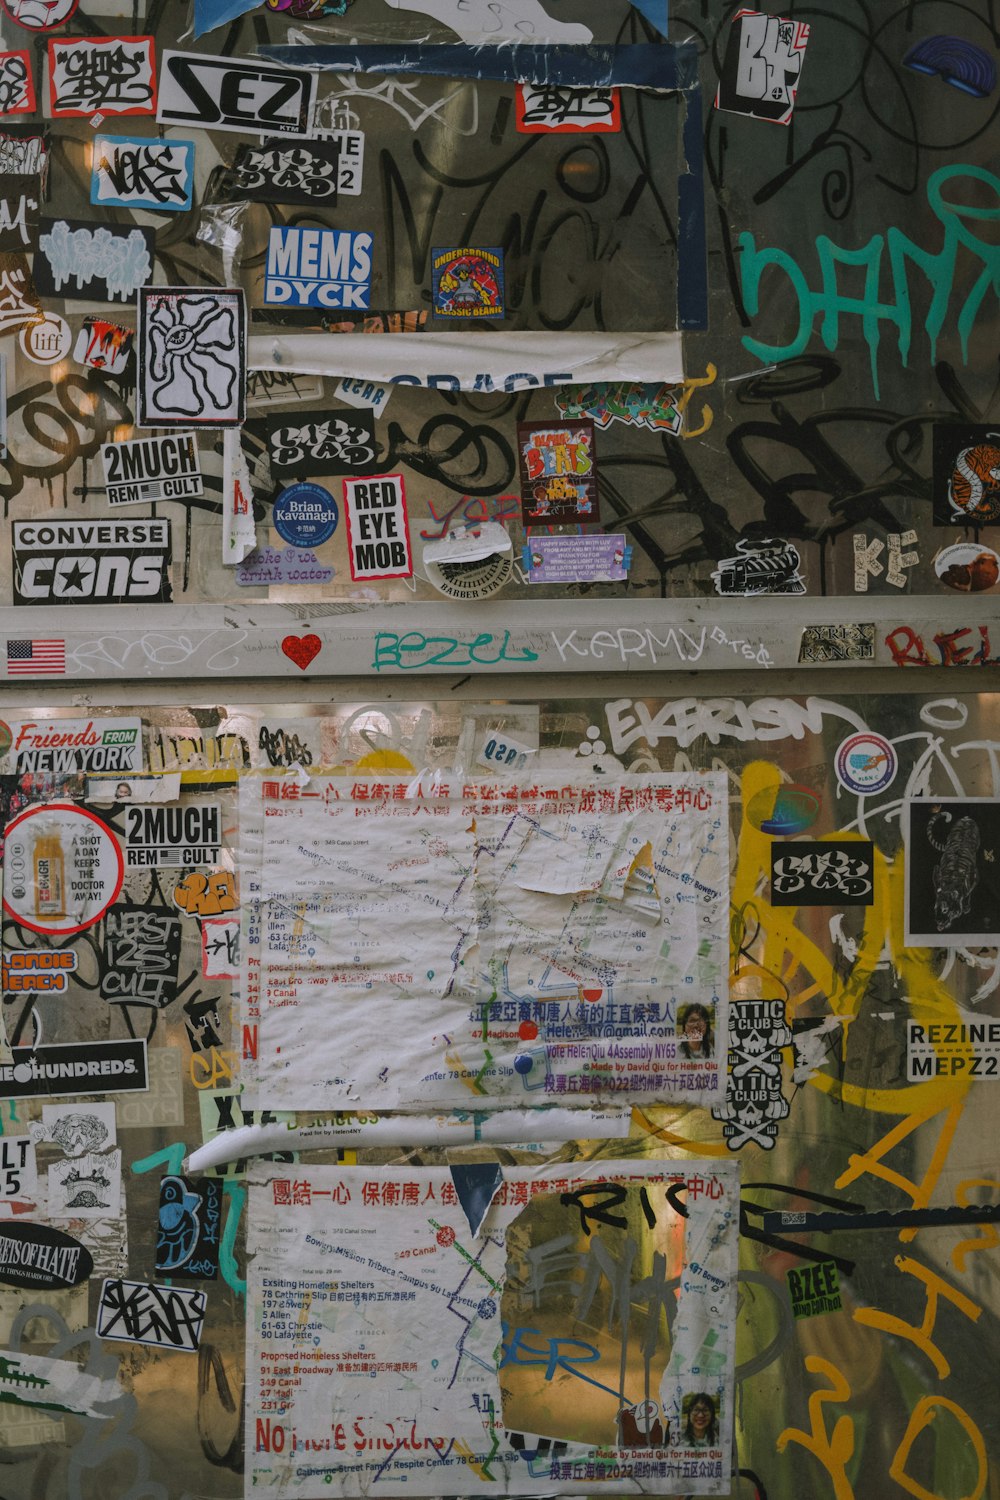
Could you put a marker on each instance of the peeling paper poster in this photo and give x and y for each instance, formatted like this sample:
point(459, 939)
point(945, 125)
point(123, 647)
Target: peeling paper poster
point(520, 941)
point(586, 1333)
point(56, 1384)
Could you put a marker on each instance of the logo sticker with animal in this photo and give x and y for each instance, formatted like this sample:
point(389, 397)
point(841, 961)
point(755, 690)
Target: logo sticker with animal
point(467, 283)
point(966, 475)
point(952, 871)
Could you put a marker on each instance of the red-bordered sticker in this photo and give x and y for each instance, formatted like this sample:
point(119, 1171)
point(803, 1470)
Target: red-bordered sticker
point(552, 109)
point(63, 868)
point(378, 532)
point(40, 15)
point(99, 76)
point(17, 87)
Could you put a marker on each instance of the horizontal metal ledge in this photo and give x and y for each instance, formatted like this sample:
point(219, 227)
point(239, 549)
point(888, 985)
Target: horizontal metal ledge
point(212, 643)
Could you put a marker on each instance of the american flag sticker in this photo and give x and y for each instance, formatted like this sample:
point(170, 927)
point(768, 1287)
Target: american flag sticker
point(36, 658)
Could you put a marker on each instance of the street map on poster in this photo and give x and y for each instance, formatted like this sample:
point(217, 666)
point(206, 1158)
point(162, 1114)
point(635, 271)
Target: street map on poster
point(582, 1341)
point(519, 941)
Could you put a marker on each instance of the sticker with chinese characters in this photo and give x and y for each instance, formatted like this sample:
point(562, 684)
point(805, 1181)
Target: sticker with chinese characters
point(558, 475)
point(762, 65)
point(97, 76)
point(192, 357)
point(467, 283)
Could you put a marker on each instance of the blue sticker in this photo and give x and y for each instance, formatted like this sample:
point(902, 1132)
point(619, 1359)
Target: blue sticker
point(211, 13)
point(329, 268)
point(140, 171)
point(305, 515)
point(468, 282)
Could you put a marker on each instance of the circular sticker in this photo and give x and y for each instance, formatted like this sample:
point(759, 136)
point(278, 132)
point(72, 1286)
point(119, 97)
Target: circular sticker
point(784, 810)
point(63, 868)
point(45, 340)
point(476, 578)
point(967, 567)
point(40, 15)
point(305, 515)
point(866, 763)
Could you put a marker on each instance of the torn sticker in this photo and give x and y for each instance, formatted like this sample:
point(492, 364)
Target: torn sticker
point(109, 787)
point(377, 528)
point(471, 564)
point(40, 15)
point(552, 110)
point(220, 948)
point(558, 477)
point(968, 567)
point(373, 394)
point(91, 76)
point(239, 530)
point(57, 1385)
point(762, 66)
point(603, 558)
point(192, 357)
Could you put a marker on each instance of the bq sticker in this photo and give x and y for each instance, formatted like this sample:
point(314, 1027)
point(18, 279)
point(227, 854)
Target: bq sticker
point(558, 479)
point(554, 109)
point(92, 262)
point(329, 268)
point(762, 65)
point(378, 534)
point(40, 15)
point(221, 93)
point(467, 283)
point(132, 171)
point(92, 75)
point(322, 443)
point(192, 357)
point(966, 475)
point(17, 88)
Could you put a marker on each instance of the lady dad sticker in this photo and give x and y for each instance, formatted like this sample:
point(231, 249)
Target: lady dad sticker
point(305, 515)
point(865, 763)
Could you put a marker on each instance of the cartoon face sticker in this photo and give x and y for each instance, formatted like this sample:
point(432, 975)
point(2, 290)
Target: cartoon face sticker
point(40, 15)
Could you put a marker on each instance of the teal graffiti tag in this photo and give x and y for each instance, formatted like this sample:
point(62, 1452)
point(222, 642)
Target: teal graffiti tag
point(414, 649)
point(939, 268)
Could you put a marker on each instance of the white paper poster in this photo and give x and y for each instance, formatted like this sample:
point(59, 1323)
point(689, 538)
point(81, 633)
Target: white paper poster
point(514, 942)
point(585, 1333)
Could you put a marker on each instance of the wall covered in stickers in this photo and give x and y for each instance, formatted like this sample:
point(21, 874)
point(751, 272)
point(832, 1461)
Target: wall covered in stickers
point(450, 1045)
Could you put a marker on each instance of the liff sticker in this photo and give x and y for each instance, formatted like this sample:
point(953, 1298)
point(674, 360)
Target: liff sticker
point(558, 474)
point(63, 869)
point(467, 283)
point(377, 528)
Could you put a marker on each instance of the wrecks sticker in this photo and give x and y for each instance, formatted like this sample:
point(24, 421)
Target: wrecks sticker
point(104, 346)
point(152, 469)
point(131, 171)
point(93, 262)
point(92, 562)
point(221, 93)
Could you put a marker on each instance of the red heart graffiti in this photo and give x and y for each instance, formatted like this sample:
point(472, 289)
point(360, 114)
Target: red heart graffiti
point(301, 649)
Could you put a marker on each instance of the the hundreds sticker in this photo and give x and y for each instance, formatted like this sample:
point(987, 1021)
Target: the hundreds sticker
point(157, 835)
point(379, 539)
point(80, 1068)
point(318, 268)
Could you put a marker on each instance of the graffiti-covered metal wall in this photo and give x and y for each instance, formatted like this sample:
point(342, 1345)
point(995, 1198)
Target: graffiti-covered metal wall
point(480, 1015)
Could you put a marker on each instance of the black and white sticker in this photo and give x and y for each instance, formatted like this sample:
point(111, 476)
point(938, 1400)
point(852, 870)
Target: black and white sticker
point(91, 76)
point(822, 872)
point(309, 172)
point(318, 442)
point(170, 837)
point(192, 357)
point(968, 1047)
point(59, 747)
point(59, 1072)
point(19, 212)
point(18, 1173)
point(221, 93)
point(92, 562)
point(139, 1312)
point(378, 534)
point(151, 469)
point(93, 262)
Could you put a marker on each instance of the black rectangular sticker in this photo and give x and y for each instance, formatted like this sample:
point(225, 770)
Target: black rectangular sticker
point(58, 1072)
point(822, 872)
point(92, 562)
point(160, 836)
point(322, 442)
point(220, 93)
point(189, 1228)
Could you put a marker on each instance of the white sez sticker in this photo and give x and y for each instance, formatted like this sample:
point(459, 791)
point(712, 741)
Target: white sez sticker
point(149, 469)
point(219, 93)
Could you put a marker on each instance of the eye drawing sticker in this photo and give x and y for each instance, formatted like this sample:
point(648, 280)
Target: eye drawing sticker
point(40, 15)
point(192, 357)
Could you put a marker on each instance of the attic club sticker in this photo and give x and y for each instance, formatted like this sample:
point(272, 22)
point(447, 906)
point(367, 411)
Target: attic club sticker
point(136, 172)
point(92, 562)
point(152, 469)
point(823, 872)
point(220, 93)
point(378, 534)
point(102, 76)
point(169, 837)
point(308, 172)
point(17, 88)
point(762, 65)
point(558, 479)
point(62, 869)
point(467, 283)
point(93, 262)
point(329, 268)
point(553, 109)
point(966, 475)
point(192, 357)
point(40, 15)
point(317, 442)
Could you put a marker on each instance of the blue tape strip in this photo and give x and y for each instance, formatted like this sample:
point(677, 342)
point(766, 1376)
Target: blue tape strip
point(654, 11)
point(692, 250)
point(211, 13)
point(595, 67)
